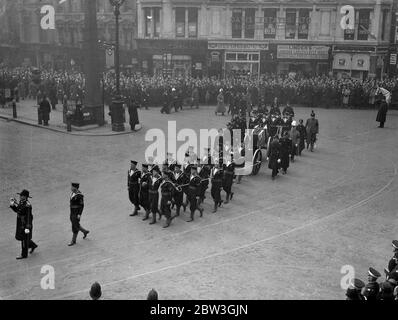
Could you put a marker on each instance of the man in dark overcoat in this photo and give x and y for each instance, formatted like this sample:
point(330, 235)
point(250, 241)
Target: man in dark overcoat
point(24, 228)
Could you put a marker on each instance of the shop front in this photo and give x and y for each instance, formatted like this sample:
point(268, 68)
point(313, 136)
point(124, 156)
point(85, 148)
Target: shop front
point(360, 62)
point(173, 58)
point(353, 65)
point(235, 59)
point(303, 59)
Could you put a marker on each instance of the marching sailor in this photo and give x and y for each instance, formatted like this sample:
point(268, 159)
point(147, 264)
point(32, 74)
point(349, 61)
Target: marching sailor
point(154, 193)
point(167, 190)
point(145, 182)
point(193, 192)
point(179, 180)
point(217, 174)
point(76, 210)
point(133, 186)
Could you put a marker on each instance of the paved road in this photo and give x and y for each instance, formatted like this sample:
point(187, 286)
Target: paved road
point(286, 239)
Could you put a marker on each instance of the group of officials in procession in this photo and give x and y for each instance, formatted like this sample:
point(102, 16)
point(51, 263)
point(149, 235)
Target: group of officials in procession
point(24, 226)
point(373, 290)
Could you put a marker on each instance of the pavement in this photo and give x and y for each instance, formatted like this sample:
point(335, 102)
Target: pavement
point(27, 114)
point(292, 238)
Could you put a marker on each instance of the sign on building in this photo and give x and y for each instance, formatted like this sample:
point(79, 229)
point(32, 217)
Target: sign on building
point(393, 58)
point(303, 52)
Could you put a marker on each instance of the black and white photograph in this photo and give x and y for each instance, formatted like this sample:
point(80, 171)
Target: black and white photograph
point(199, 150)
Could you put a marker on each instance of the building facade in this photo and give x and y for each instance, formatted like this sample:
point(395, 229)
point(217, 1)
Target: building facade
point(252, 38)
point(62, 47)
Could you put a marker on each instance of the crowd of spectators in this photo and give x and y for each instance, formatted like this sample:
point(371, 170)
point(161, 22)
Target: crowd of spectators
point(322, 91)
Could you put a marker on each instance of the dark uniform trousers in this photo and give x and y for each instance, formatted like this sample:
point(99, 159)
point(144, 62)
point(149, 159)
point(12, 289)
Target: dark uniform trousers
point(144, 192)
point(165, 203)
point(178, 196)
point(134, 188)
point(216, 185)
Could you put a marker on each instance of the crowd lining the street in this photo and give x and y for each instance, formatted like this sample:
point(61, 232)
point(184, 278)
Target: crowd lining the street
point(153, 91)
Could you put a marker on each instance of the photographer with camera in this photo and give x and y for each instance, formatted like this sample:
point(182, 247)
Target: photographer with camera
point(23, 233)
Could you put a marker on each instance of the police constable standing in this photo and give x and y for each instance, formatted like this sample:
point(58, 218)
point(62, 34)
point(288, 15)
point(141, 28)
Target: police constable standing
point(312, 128)
point(24, 228)
point(133, 186)
point(76, 210)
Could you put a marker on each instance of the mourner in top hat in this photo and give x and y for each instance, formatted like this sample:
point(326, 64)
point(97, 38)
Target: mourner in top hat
point(24, 228)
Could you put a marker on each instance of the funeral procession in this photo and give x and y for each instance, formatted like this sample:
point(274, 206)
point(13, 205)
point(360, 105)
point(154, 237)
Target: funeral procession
point(198, 150)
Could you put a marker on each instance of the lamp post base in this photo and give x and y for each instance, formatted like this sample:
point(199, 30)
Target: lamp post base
point(117, 115)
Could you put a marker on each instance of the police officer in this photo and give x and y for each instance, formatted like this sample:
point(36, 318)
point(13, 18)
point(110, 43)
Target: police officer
point(371, 290)
point(133, 186)
point(154, 193)
point(193, 192)
point(76, 210)
point(217, 174)
point(144, 189)
point(24, 229)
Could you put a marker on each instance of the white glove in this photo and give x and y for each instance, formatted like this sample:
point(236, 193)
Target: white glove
point(279, 160)
point(27, 231)
point(78, 217)
point(267, 159)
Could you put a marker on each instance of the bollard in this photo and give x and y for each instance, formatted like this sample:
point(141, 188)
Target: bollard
point(14, 110)
point(39, 116)
point(68, 123)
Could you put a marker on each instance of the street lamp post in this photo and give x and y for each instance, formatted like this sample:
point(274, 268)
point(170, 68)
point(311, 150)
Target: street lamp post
point(117, 103)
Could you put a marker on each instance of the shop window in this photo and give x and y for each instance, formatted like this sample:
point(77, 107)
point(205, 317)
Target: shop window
point(192, 22)
point(254, 57)
point(156, 21)
point(250, 23)
point(242, 56)
point(269, 23)
point(363, 24)
point(290, 26)
point(303, 24)
point(230, 56)
point(148, 22)
point(325, 23)
point(180, 22)
point(237, 23)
